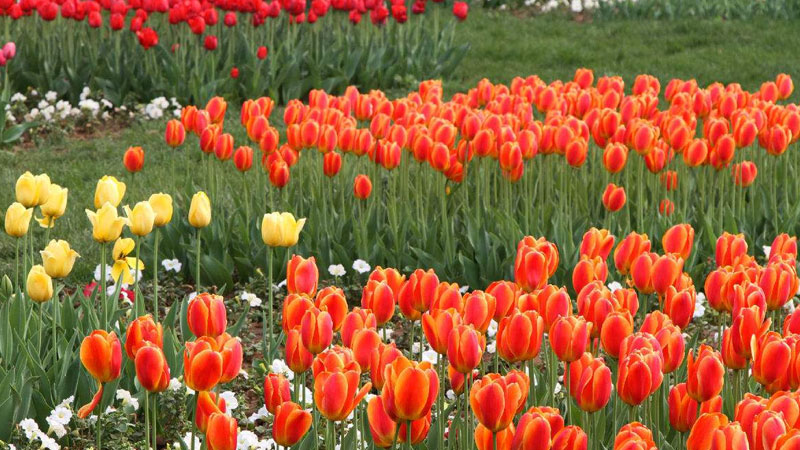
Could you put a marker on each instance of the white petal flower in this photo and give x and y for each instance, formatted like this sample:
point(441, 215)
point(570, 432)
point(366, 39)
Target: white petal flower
point(250, 298)
point(279, 366)
point(614, 286)
point(175, 384)
point(336, 270)
point(173, 265)
point(463, 289)
point(492, 330)
point(430, 356)
point(231, 402)
point(30, 427)
point(767, 250)
point(361, 266)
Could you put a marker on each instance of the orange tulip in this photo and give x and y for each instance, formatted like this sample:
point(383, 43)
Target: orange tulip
point(294, 308)
point(437, 326)
point(291, 424)
point(316, 330)
point(679, 305)
point(530, 268)
point(637, 434)
point(730, 358)
point(495, 400)
point(771, 359)
point(615, 156)
point(628, 250)
point(276, 391)
point(534, 431)
point(447, 296)
point(364, 342)
point(202, 364)
point(682, 408)
point(749, 323)
point(788, 441)
point(519, 336)
point(783, 246)
point(332, 300)
point(175, 133)
point(416, 295)
point(465, 347)
point(362, 187)
point(595, 302)
point(140, 331)
point(206, 315)
point(243, 158)
point(409, 389)
point(672, 347)
point(731, 436)
point(101, 355)
point(786, 403)
point(419, 430)
point(152, 369)
point(391, 276)
point(382, 428)
point(779, 282)
point(335, 359)
point(596, 243)
point(302, 276)
point(588, 270)
point(223, 147)
point(768, 426)
point(678, 240)
point(730, 248)
point(551, 303)
point(569, 337)
point(378, 297)
point(230, 348)
point(479, 308)
point(208, 403)
point(216, 108)
point(617, 326)
point(501, 440)
point(570, 438)
point(336, 393)
point(705, 374)
point(380, 358)
point(222, 432)
point(703, 431)
point(638, 376)
point(614, 197)
point(589, 381)
point(133, 160)
point(355, 320)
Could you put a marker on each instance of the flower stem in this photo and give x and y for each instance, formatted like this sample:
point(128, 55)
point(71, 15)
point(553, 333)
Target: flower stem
point(268, 326)
point(155, 276)
point(104, 295)
point(197, 263)
point(147, 416)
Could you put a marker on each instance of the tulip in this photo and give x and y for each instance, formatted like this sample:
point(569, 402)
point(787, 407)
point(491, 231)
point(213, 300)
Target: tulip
point(332, 300)
point(175, 133)
point(672, 347)
point(679, 305)
point(208, 403)
point(682, 408)
point(379, 298)
point(101, 355)
point(316, 330)
point(382, 428)
point(501, 440)
point(133, 159)
point(106, 225)
point(362, 187)
point(281, 229)
point(336, 393)
point(465, 347)
point(614, 197)
point(534, 432)
point(32, 190)
point(628, 250)
point(291, 424)
point(379, 358)
point(108, 190)
point(298, 358)
point(279, 174)
point(569, 337)
point(570, 438)
point(58, 259)
point(206, 315)
point(704, 429)
point(55, 206)
point(730, 248)
point(302, 275)
point(617, 326)
point(243, 158)
point(222, 432)
point(200, 210)
point(39, 286)
point(639, 375)
point(768, 426)
point(409, 389)
point(141, 219)
point(416, 295)
point(437, 326)
point(771, 360)
point(447, 296)
point(391, 276)
point(152, 369)
point(276, 391)
point(202, 364)
point(161, 204)
point(495, 401)
point(596, 243)
point(140, 332)
point(592, 389)
point(230, 348)
point(479, 308)
point(355, 320)
point(506, 294)
point(530, 268)
point(786, 403)
point(635, 433)
point(519, 336)
point(705, 374)
point(779, 282)
point(17, 220)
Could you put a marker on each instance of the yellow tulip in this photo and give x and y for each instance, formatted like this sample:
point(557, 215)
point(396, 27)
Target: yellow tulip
point(200, 210)
point(121, 270)
point(43, 188)
point(162, 207)
point(122, 248)
point(27, 191)
point(281, 229)
point(39, 285)
point(54, 207)
point(141, 218)
point(110, 190)
point(107, 225)
point(18, 218)
point(58, 259)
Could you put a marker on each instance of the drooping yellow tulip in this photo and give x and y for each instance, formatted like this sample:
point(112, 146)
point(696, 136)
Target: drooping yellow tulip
point(54, 207)
point(281, 229)
point(121, 270)
point(200, 210)
point(110, 190)
point(32, 190)
point(107, 225)
point(58, 258)
point(162, 207)
point(18, 219)
point(141, 218)
point(39, 285)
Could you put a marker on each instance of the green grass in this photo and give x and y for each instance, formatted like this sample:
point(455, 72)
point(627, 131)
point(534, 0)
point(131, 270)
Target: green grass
point(502, 46)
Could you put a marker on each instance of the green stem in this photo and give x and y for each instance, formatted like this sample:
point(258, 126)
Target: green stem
point(104, 295)
point(16, 265)
point(269, 306)
point(197, 263)
point(137, 303)
point(147, 416)
point(408, 433)
point(155, 422)
point(155, 276)
point(41, 325)
point(99, 430)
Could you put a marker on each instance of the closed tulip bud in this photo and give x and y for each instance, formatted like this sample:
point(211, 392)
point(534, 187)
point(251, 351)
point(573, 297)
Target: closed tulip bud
point(336, 393)
point(101, 355)
point(587, 271)
point(495, 400)
point(639, 375)
point(614, 197)
point(519, 336)
point(530, 268)
point(39, 285)
point(175, 133)
point(108, 190)
point(141, 331)
point(679, 305)
point(362, 187)
point(202, 368)
point(506, 294)
point(673, 347)
point(200, 210)
point(678, 240)
point(216, 106)
point(232, 356)
point(479, 310)
point(281, 229)
point(682, 408)
point(162, 208)
point(133, 159)
point(590, 384)
point(28, 190)
point(729, 249)
point(379, 298)
point(243, 158)
point(276, 391)
point(222, 431)
point(17, 220)
point(223, 147)
point(569, 337)
point(141, 218)
point(570, 438)
point(534, 432)
point(302, 275)
point(55, 206)
point(331, 164)
point(298, 358)
point(771, 360)
point(465, 347)
point(364, 342)
point(279, 174)
point(617, 326)
point(152, 369)
point(291, 424)
point(615, 156)
point(705, 374)
point(332, 300)
point(380, 357)
point(779, 282)
point(437, 326)
point(704, 430)
point(316, 330)
point(416, 295)
point(628, 250)
point(206, 315)
point(596, 243)
point(58, 259)
point(208, 403)
point(730, 358)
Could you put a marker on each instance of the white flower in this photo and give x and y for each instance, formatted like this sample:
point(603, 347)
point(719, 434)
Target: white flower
point(48, 442)
point(175, 384)
point(18, 97)
point(30, 427)
point(261, 414)
point(246, 440)
point(127, 399)
point(463, 290)
point(67, 402)
point(279, 366)
point(250, 298)
point(277, 287)
point(430, 356)
point(492, 330)
point(361, 266)
point(386, 334)
point(57, 428)
point(60, 415)
point(614, 286)
point(51, 96)
point(42, 104)
point(192, 295)
point(491, 348)
point(699, 305)
point(336, 270)
point(97, 273)
point(451, 395)
point(767, 250)
point(231, 402)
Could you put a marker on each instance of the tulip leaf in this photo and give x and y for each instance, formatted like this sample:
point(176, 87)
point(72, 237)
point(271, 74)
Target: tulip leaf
point(237, 327)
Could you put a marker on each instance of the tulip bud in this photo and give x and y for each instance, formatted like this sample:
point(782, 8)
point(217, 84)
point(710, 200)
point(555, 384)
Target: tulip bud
point(133, 160)
point(141, 219)
point(291, 423)
point(162, 208)
point(362, 187)
point(17, 220)
point(39, 285)
point(200, 210)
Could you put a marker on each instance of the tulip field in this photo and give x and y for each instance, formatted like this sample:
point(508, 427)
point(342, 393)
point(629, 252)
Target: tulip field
point(325, 245)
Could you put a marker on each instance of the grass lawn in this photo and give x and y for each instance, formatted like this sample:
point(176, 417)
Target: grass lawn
point(502, 46)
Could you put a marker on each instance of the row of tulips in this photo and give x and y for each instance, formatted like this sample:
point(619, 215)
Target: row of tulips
point(133, 50)
point(508, 401)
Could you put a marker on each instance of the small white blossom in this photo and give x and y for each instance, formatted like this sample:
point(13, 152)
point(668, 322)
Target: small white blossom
point(336, 270)
point(61, 415)
point(97, 273)
point(57, 428)
point(279, 367)
point(463, 289)
point(261, 414)
point(175, 384)
point(699, 305)
point(127, 399)
point(251, 298)
point(246, 440)
point(51, 96)
point(67, 402)
point(767, 250)
point(231, 402)
point(450, 395)
point(614, 286)
point(386, 334)
point(492, 347)
point(361, 266)
point(18, 97)
point(30, 427)
point(492, 330)
point(430, 356)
